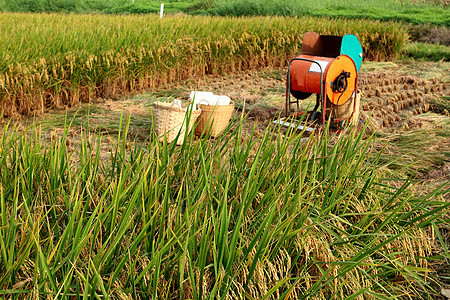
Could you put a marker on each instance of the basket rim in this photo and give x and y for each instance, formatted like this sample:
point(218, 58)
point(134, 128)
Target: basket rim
point(172, 107)
point(216, 107)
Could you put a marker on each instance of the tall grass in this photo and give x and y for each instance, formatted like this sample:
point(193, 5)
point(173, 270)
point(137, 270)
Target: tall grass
point(427, 52)
point(415, 12)
point(262, 216)
point(95, 6)
point(59, 60)
point(58, 5)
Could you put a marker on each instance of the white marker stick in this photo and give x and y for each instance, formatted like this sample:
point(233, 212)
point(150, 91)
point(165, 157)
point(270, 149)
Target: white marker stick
point(161, 12)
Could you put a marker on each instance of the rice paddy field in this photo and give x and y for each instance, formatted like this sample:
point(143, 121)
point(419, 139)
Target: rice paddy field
point(59, 60)
point(92, 205)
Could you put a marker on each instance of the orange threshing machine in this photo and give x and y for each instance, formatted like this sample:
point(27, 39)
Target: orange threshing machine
point(328, 67)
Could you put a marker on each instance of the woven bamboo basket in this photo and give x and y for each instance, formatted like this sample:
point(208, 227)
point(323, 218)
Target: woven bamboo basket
point(213, 119)
point(169, 120)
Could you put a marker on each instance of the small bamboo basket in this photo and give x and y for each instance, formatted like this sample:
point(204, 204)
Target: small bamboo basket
point(169, 120)
point(213, 119)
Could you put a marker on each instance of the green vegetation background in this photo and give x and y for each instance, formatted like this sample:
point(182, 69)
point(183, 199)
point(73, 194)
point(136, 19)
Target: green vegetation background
point(416, 12)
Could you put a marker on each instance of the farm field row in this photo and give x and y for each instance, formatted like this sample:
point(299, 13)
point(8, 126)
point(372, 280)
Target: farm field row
point(58, 60)
point(415, 12)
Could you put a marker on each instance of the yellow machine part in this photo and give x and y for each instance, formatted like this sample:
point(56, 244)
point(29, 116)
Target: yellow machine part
point(342, 63)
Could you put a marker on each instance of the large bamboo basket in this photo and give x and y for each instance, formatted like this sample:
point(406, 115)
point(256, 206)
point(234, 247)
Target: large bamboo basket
point(169, 120)
point(213, 119)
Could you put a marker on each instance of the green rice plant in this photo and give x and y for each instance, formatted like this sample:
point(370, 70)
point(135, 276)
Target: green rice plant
point(414, 12)
point(428, 52)
point(56, 61)
point(262, 215)
point(96, 6)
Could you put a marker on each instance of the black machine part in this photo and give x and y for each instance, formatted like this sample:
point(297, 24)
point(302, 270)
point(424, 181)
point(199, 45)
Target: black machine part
point(300, 95)
point(340, 83)
point(314, 116)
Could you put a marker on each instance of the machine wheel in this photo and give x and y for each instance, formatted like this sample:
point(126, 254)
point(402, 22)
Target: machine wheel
point(314, 116)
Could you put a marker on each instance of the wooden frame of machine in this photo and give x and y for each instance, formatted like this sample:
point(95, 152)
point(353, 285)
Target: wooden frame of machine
point(328, 67)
